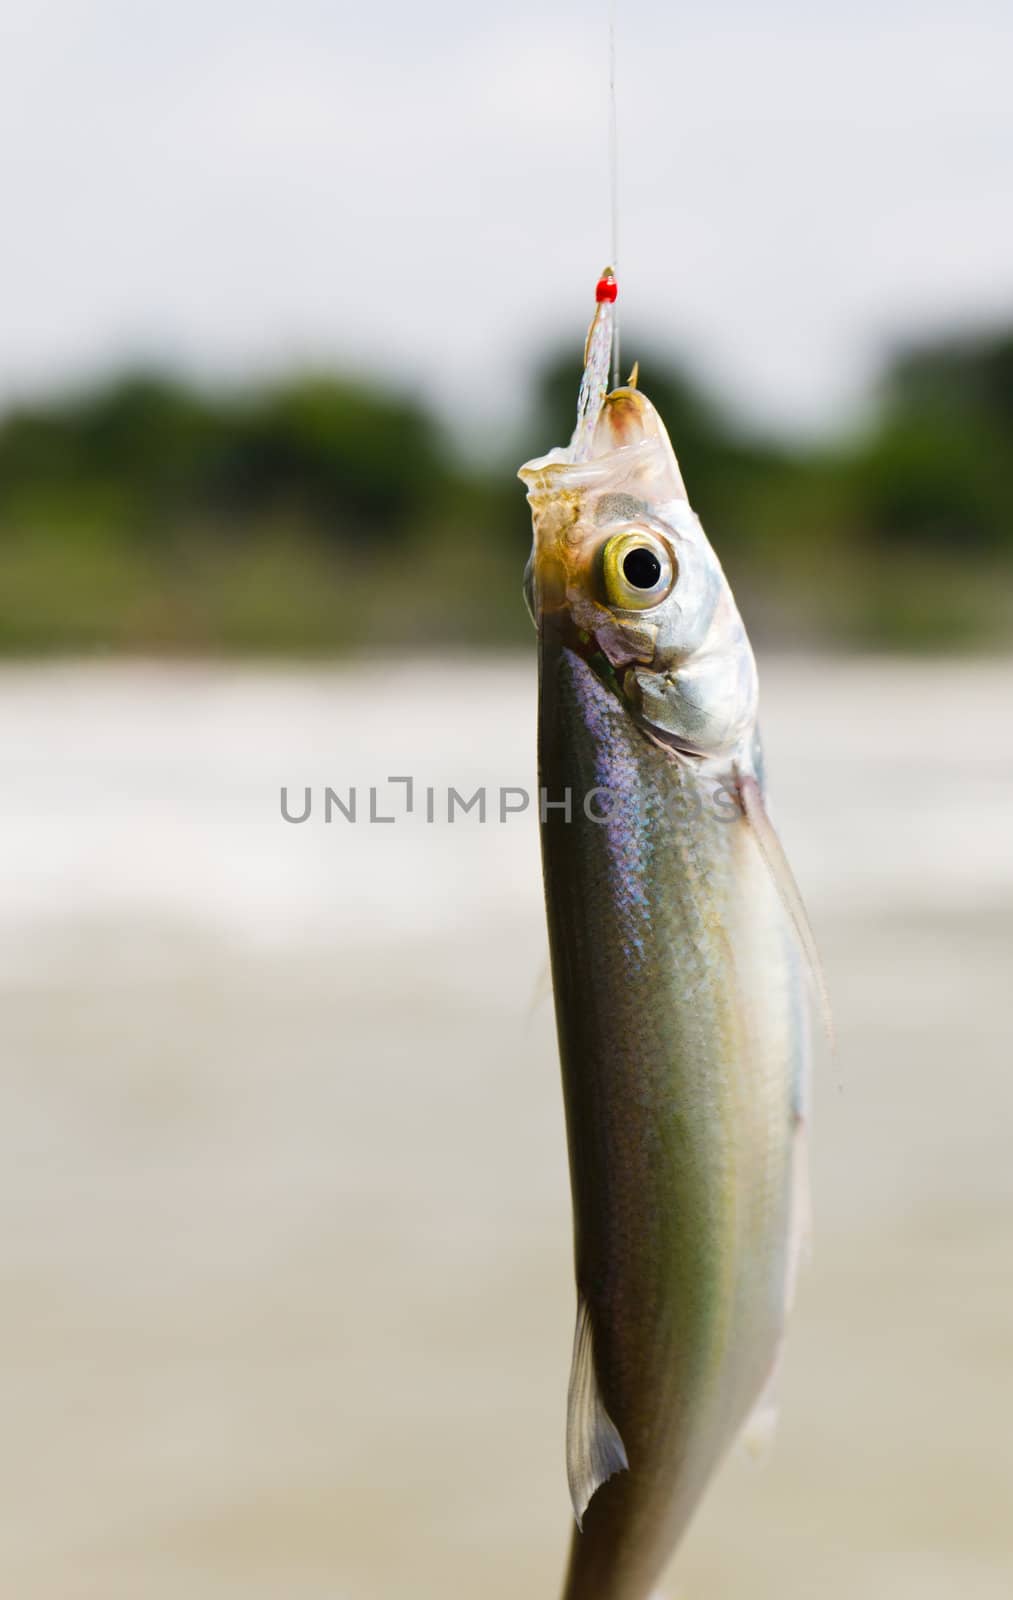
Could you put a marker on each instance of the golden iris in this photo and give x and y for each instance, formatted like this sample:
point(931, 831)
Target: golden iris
point(638, 568)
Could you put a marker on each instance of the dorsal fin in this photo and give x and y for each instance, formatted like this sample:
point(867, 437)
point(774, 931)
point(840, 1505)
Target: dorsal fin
point(594, 1448)
point(784, 881)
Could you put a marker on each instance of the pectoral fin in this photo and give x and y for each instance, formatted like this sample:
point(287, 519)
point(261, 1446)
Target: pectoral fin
point(784, 881)
point(761, 1425)
point(800, 1241)
point(594, 1449)
point(541, 989)
point(758, 1434)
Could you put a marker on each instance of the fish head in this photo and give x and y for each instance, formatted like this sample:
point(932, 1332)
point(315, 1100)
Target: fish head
point(622, 571)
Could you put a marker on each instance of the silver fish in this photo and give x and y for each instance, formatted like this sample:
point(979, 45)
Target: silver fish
point(678, 950)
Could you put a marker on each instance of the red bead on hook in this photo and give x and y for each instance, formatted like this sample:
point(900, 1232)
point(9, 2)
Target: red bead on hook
point(607, 289)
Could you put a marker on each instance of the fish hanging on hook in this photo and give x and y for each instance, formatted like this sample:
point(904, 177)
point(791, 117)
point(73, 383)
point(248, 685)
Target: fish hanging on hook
point(679, 951)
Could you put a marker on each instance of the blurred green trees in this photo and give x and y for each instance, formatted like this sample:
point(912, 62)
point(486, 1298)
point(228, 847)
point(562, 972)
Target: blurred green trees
point(345, 458)
point(321, 514)
point(937, 470)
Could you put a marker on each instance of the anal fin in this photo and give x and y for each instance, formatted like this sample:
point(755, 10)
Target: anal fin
point(594, 1448)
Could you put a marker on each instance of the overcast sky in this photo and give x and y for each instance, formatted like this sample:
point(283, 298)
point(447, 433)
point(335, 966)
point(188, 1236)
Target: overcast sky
point(423, 188)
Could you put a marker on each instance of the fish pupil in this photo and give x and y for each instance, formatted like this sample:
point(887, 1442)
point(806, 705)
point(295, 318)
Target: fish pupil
point(641, 568)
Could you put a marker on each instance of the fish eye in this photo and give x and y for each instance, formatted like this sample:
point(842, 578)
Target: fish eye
point(638, 568)
point(641, 567)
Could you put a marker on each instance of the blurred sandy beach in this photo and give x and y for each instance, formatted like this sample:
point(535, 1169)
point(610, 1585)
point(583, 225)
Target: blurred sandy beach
point(286, 1284)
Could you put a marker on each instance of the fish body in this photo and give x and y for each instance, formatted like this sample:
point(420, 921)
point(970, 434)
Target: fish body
point(680, 995)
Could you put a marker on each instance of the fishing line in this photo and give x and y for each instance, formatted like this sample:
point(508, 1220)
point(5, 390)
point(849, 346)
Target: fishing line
point(614, 181)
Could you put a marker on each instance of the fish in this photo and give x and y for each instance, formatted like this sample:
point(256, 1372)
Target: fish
point(679, 957)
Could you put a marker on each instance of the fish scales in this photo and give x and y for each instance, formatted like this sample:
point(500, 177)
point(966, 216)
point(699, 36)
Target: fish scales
point(677, 1111)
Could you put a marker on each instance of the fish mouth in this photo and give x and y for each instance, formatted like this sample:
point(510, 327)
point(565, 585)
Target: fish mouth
point(629, 422)
point(630, 459)
point(629, 437)
point(626, 418)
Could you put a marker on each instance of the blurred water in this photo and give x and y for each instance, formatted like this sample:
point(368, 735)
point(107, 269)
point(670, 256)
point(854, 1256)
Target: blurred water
point(286, 1284)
